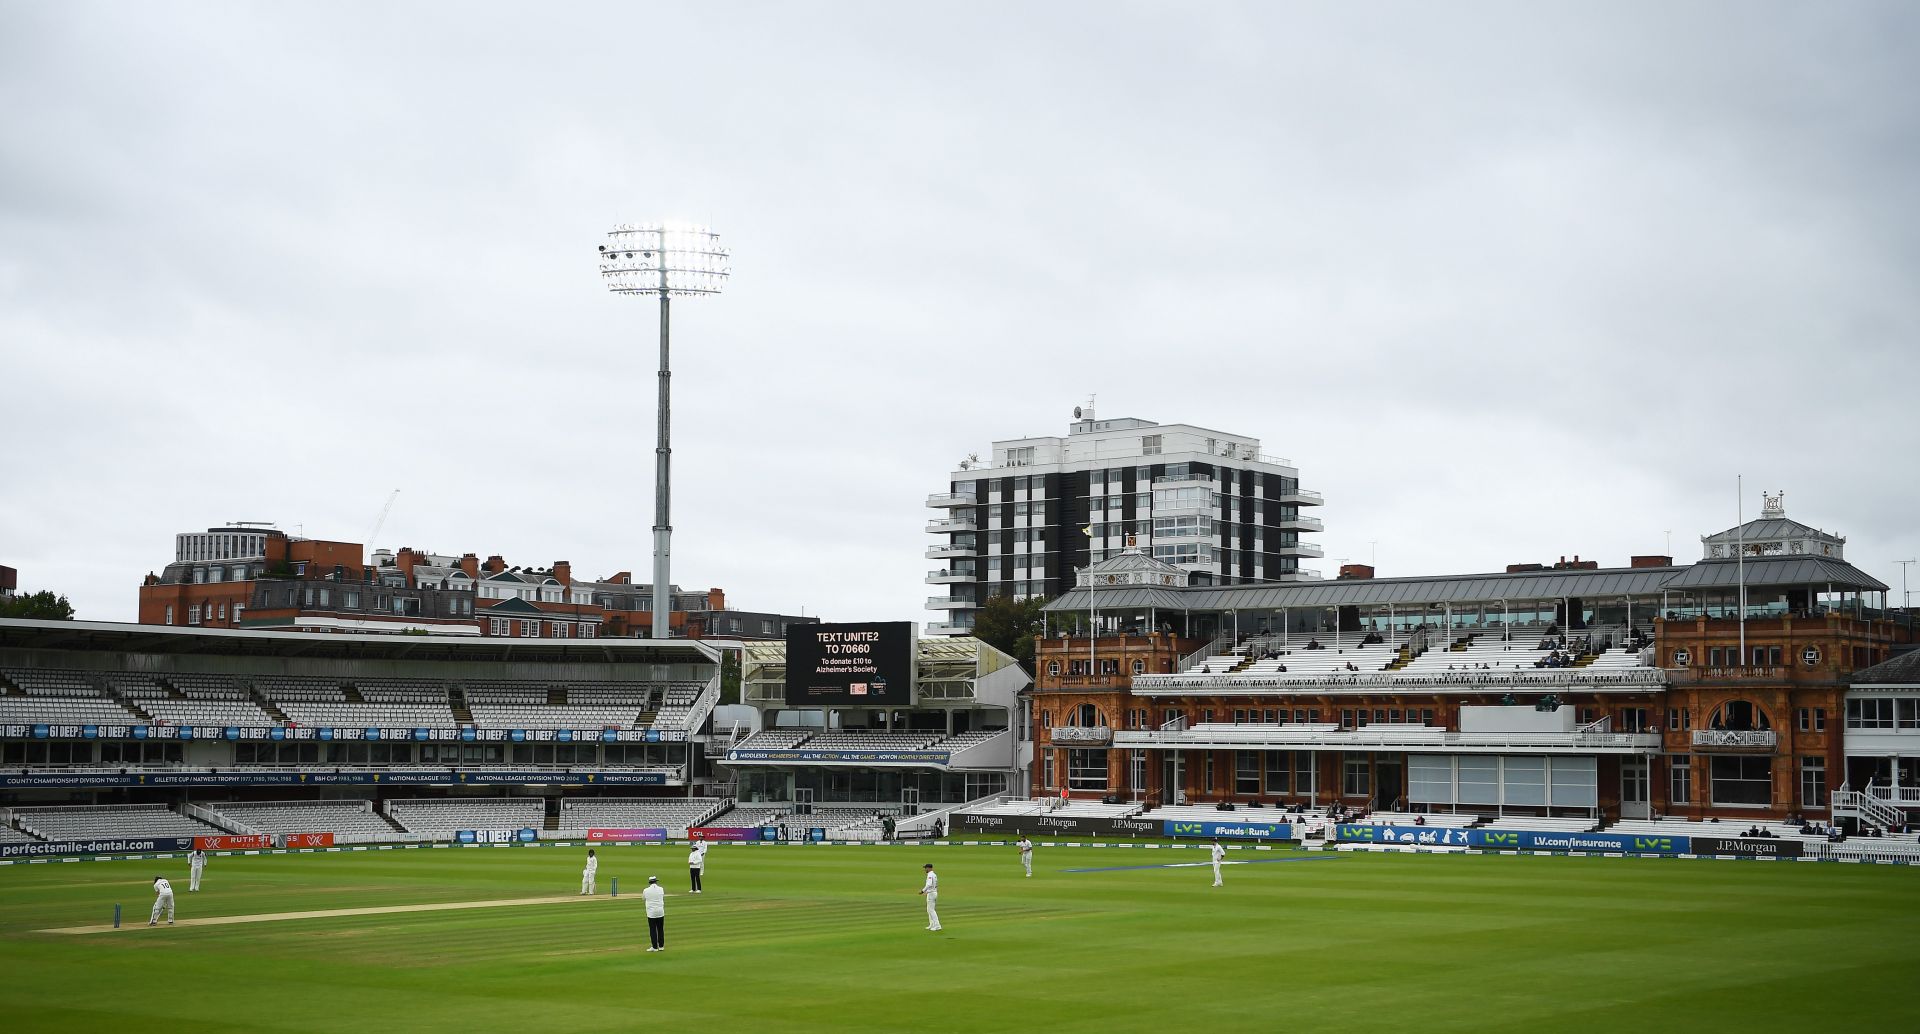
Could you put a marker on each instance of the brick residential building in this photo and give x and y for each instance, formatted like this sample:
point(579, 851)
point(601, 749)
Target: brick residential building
point(256, 576)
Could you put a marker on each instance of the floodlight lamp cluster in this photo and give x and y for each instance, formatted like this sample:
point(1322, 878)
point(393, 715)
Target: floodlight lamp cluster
point(664, 258)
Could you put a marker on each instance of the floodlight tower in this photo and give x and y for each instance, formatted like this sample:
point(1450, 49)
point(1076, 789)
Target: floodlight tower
point(663, 259)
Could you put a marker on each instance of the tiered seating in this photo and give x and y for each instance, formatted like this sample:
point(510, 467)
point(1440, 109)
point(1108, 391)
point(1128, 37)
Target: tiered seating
point(962, 740)
point(211, 700)
point(1408, 818)
point(1084, 809)
point(208, 712)
point(846, 739)
point(49, 682)
point(523, 706)
point(119, 820)
point(672, 814)
point(1266, 655)
point(395, 715)
point(775, 739)
point(10, 835)
point(1208, 813)
point(208, 687)
point(855, 822)
point(136, 687)
point(748, 818)
point(637, 695)
point(304, 816)
point(1542, 823)
point(676, 706)
point(65, 711)
point(402, 691)
point(1014, 806)
point(1617, 657)
point(281, 689)
point(1488, 650)
point(444, 815)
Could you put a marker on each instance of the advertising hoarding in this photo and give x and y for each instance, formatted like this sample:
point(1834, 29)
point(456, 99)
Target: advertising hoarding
point(627, 834)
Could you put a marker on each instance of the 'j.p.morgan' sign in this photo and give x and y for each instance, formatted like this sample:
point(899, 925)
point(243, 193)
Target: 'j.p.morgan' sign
point(1081, 825)
point(1751, 848)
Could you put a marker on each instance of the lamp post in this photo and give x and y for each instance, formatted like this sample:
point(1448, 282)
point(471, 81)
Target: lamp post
point(663, 259)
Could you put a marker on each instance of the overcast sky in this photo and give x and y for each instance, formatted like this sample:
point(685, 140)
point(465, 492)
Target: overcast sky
point(1506, 283)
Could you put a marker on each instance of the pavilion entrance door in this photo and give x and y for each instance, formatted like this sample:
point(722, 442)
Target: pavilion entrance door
point(1633, 788)
point(1386, 784)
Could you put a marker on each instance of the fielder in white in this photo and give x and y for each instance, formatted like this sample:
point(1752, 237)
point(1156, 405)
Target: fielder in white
point(587, 874)
point(1026, 854)
point(696, 863)
point(163, 900)
point(196, 864)
point(931, 891)
point(1219, 855)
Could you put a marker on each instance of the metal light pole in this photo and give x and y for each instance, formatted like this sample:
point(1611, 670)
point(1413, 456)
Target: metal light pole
point(663, 259)
point(1906, 602)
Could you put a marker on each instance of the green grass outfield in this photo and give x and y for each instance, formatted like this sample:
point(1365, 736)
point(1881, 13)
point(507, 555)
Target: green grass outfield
point(831, 939)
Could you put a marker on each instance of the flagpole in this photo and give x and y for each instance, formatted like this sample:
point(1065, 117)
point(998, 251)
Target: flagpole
point(1740, 551)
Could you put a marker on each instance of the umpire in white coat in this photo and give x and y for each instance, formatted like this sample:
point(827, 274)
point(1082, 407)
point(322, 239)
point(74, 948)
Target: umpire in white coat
point(655, 897)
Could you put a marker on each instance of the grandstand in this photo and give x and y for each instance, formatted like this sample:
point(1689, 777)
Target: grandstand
point(1065, 808)
point(871, 740)
point(533, 706)
point(97, 710)
point(339, 817)
point(775, 739)
point(413, 712)
point(1543, 823)
point(440, 816)
point(672, 814)
point(101, 821)
point(962, 740)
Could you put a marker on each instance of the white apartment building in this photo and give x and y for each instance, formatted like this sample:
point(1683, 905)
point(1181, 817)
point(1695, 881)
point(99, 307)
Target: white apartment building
point(1021, 524)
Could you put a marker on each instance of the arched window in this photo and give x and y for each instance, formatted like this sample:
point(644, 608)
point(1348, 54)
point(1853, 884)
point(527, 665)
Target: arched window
point(1139, 666)
point(1740, 716)
point(1088, 716)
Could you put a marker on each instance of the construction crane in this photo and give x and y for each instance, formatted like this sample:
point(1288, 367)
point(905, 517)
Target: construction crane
point(381, 521)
